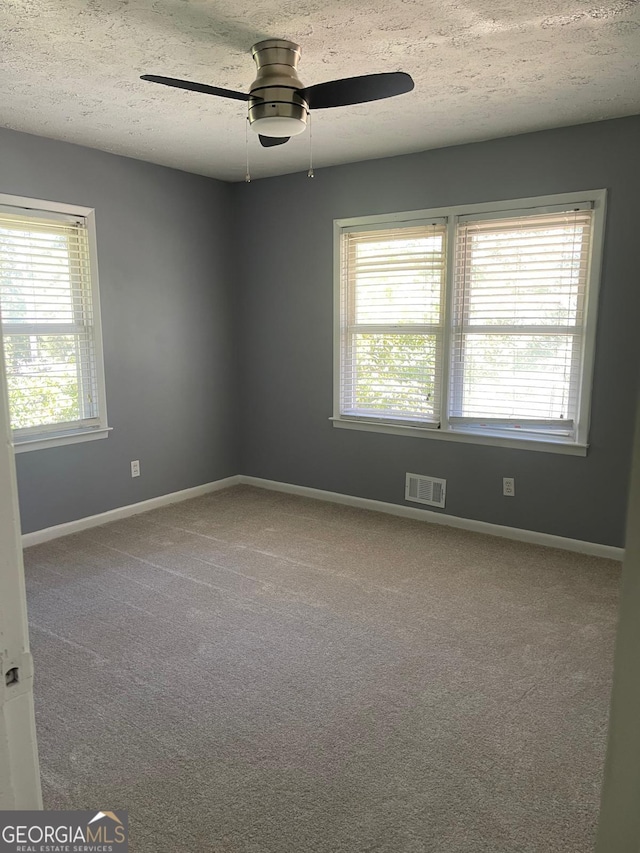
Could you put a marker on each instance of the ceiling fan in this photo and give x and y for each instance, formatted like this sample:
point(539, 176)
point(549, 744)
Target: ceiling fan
point(278, 102)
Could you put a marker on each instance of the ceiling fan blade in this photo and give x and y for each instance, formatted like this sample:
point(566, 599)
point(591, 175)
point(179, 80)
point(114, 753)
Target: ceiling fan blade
point(357, 90)
point(196, 87)
point(270, 141)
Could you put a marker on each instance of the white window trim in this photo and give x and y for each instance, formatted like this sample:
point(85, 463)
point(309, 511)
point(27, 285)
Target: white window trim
point(61, 438)
point(57, 438)
point(555, 444)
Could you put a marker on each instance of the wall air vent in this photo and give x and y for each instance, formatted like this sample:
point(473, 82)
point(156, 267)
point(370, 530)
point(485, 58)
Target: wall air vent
point(425, 490)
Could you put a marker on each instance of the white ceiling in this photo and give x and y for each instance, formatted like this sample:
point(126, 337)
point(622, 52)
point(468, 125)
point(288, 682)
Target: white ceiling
point(482, 68)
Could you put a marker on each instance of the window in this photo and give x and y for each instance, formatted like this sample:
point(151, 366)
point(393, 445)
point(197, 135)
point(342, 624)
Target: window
point(50, 324)
point(474, 323)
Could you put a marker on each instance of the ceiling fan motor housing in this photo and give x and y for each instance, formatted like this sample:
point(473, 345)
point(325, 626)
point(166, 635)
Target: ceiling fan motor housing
point(276, 107)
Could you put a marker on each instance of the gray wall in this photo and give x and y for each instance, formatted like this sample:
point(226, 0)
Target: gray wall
point(619, 826)
point(168, 324)
point(284, 255)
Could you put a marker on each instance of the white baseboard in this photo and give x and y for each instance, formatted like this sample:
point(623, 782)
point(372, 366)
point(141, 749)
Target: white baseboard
point(531, 536)
point(49, 533)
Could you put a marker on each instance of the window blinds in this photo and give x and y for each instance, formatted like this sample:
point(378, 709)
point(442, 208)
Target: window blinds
point(47, 322)
point(518, 321)
point(392, 303)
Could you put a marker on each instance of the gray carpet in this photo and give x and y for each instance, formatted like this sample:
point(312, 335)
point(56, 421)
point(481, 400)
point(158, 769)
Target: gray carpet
point(251, 672)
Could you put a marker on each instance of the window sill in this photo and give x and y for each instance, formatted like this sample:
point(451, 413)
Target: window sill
point(539, 444)
point(57, 439)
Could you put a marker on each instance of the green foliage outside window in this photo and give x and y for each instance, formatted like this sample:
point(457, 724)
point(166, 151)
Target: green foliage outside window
point(395, 372)
point(42, 379)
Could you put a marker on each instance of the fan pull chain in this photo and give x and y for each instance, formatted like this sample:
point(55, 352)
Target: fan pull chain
point(310, 173)
point(247, 177)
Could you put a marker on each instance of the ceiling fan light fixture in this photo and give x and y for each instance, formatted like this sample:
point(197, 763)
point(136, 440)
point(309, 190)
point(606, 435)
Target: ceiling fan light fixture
point(277, 111)
point(279, 125)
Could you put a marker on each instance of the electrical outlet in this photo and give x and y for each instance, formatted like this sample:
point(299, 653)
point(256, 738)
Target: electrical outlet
point(135, 468)
point(509, 487)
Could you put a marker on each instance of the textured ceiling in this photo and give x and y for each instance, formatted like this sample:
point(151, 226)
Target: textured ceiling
point(482, 68)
